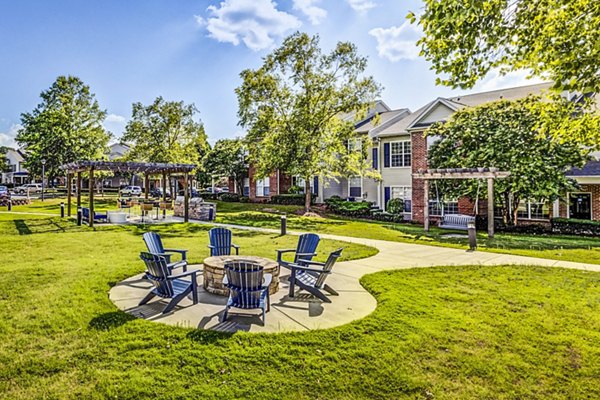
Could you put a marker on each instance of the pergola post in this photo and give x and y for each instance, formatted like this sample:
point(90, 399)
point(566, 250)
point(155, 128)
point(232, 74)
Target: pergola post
point(91, 186)
point(146, 185)
point(426, 205)
point(186, 198)
point(164, 190)
point(78, 189)
point(490, 207)
point(69, 179)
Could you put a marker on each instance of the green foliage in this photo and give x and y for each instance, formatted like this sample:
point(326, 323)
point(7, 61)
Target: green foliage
point(295, 199)
point(3, 161)
point(228, 159)
point(553, 39)
point(569, 226)
point(295, 190)
point(505, 135)
point(293, 104)
point(230, 197)
point(558, 39)
point(395, 206)
point(165, 131)
point(65, 127)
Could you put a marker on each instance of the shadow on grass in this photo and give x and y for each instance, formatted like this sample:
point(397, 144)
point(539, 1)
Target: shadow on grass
point(110, 320)
point(208, 337)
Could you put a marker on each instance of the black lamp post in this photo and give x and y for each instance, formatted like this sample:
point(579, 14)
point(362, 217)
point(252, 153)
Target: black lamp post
point(43, 174)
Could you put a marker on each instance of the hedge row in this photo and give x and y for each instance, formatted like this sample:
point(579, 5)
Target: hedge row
point(568, 226)
point(360, 209)
point(290, 199)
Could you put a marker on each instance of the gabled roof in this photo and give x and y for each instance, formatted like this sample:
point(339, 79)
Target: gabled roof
point(380, 120)
point(415, 120)
point(592, 168)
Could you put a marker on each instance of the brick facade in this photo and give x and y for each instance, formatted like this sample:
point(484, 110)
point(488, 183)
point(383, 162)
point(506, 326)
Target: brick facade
point(594, 189)
point(419, 161)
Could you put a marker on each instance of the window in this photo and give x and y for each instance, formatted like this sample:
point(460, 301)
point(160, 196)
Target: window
point(404, 193)
point(400, 155)
point(533, 209)
point(355, 186)
point(246, 187)
point(301, 183)
point(262, 187)
point(440, 207)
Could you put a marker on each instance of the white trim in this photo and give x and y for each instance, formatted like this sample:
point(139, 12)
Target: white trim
point(403, 154)
point(430, 108)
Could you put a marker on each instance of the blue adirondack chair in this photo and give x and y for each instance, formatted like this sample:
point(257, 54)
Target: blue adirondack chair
point(166, 285)
point(220, 242)
point(306, 250)
point(312, 279)
point(248, 287)
point(155, 246)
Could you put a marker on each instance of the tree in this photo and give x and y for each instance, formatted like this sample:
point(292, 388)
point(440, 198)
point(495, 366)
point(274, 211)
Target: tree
point(65, 127)
point(554, 39)
point(228, 158)
point(465, 39)
point(4, 167)
point(293, 107)
point(505, 135)
point(165, 131)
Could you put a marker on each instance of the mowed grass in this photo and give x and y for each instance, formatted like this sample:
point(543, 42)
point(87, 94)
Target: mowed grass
point(554, 247)
point(438, 333)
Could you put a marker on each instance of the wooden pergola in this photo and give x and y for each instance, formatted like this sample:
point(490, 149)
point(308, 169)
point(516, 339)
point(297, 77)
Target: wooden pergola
point(489, 174)
point(146, 168)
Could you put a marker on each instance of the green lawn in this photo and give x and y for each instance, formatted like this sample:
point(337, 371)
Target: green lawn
point(437, 333)
point(565, 248)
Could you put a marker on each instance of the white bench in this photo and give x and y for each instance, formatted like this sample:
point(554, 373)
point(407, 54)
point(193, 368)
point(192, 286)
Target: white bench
point(456, 221)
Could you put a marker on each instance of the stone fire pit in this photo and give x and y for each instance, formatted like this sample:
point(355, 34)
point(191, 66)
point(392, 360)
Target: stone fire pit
point(214, 270)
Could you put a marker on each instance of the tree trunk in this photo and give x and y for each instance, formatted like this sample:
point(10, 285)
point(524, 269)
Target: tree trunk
point(515, 210)
point(307, 194)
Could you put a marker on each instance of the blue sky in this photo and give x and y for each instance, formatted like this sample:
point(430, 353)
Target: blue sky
point(135, 50)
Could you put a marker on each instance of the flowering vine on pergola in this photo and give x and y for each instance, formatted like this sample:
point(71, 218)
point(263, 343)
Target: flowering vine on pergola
point(489, 174)
point(146, 168)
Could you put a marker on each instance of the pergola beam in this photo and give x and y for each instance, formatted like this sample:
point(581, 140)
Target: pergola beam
point(489, 174)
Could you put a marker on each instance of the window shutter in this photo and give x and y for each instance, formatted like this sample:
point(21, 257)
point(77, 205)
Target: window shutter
point(386, 196)
point(316, 186)
point(375, 158)
point(386, 155)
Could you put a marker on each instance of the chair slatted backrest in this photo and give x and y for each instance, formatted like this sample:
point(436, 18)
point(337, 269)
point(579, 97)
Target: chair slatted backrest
point(85, 212)
point(220, 238)
point(328, 267)
point(158, 273)
point(245, 279)
point(307, 243)
point(154, 243)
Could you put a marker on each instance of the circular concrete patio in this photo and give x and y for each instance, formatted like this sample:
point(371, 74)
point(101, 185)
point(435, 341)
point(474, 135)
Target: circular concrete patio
point(303, 312)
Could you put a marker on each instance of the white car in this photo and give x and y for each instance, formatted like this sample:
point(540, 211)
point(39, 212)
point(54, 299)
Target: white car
point(131, 191)
point(29, 188)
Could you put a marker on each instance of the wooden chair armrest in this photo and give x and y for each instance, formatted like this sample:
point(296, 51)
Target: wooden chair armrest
point(268, 278)
point(183, 274)
point(307, 269)
point(311, 262)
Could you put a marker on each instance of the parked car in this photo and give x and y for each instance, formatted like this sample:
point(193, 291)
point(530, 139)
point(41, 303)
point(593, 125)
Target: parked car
point(131, 191)
point(224, 190)
point(158, 192)
point(193, 193)
point(29, 188)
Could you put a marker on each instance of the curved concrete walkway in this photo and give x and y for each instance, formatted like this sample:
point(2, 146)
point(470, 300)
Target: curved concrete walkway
point(304, 312)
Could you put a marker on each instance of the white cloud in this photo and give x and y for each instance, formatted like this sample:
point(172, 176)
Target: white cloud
point(397, 42)
point(309, 8)
point(115, 123)
point(361, 6)
point(494, 80)
point(256, 23)
point(8, 138)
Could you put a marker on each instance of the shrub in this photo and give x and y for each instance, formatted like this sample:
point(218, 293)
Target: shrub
point(289, 199)
point(208, 195)
point(295, 190)
point(230, 197)
point(395, 206)
point(244, 199)
point(348, 208)
point(568, 226)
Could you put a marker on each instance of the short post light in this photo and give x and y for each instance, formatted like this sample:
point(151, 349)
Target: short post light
point(283, 225)
point(43, 175)
point(472, 235)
